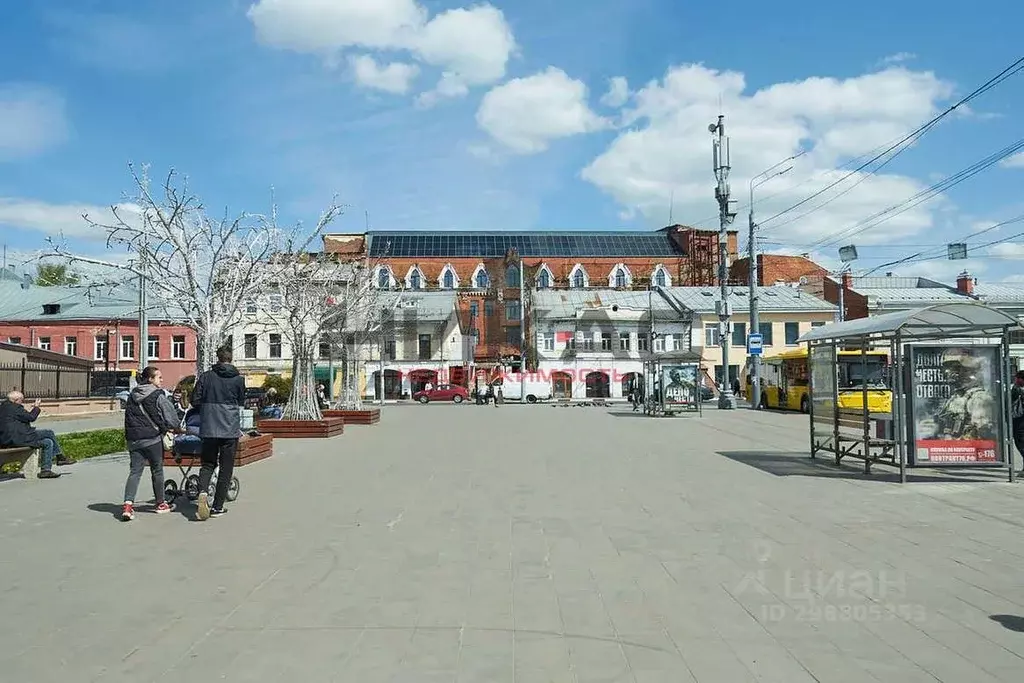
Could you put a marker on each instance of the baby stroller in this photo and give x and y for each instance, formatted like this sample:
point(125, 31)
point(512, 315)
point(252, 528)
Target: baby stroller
point(187, 449)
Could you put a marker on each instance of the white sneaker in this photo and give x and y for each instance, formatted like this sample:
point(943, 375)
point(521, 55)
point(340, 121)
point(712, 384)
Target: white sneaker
point(203, 513)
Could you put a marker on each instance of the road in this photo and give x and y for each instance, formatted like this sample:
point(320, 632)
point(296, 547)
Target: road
point(573, 544)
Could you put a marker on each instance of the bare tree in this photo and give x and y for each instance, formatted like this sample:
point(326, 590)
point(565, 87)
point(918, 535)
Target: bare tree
point(199, 269)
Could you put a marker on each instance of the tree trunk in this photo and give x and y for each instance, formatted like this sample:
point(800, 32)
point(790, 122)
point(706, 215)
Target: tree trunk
point(303, 403)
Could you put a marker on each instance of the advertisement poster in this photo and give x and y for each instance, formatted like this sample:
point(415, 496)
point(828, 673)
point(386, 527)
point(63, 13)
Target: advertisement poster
point(955, 405)
point(823, 379)
point(680, 384)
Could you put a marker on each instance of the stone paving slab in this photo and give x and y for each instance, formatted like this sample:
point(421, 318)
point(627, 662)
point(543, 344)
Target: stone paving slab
point(480, 544)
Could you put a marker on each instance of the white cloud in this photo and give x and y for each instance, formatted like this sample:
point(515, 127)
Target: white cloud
point(31, 120)
point(1014, 161)
point(471, 46)
point(618, 93)
point(395, 77)
point(526, 114)
point(898, 58)
point(667, 150)
point(56, 219)
point(1008, 250)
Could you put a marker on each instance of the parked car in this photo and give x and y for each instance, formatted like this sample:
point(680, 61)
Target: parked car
point(442, 392)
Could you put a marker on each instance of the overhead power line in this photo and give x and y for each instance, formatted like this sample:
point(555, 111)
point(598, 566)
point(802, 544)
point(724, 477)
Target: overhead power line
point(902, 144)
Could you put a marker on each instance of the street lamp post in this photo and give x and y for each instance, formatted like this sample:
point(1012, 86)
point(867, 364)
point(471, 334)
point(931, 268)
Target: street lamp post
point(755, 323)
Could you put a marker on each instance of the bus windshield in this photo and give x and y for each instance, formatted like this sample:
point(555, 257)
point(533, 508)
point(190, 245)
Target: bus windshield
point(853, 373)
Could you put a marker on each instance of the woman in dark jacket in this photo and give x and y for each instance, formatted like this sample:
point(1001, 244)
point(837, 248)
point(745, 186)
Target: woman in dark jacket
point(148, 415)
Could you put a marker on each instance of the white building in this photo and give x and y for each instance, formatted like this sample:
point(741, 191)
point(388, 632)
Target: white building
point(418, 341)
point(593, 343)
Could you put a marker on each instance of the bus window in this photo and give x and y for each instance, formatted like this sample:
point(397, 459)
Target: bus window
point(853, 373)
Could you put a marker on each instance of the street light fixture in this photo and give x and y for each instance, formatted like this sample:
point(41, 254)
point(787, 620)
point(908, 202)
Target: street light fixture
point(847, 255)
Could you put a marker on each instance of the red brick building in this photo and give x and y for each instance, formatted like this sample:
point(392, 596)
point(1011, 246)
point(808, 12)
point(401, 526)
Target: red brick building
point(483, 269)
point(99, 327)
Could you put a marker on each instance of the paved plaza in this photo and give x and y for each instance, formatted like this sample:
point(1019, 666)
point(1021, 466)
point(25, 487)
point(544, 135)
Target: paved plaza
point(523, 544)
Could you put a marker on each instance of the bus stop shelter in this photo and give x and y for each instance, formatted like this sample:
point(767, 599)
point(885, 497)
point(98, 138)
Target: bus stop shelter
point(673, 383)
point(950, 381)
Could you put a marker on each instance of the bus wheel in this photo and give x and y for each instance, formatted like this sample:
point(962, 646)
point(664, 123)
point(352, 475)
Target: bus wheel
point(804, 405)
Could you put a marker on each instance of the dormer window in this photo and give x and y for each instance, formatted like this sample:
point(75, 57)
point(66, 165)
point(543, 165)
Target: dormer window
point(448, 280)
point(660, 277)
point(578, 278)
point(384, 278)
point(480, 278)
point(619, 276)
point(51, 309)
point(544, 277)
point(415, 278)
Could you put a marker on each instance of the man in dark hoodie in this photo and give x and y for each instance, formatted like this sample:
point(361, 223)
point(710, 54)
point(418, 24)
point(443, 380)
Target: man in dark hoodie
point(220, 395)
point(148, 415)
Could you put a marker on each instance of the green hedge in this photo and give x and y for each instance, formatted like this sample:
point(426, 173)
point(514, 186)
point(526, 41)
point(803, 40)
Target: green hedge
point(81, 445)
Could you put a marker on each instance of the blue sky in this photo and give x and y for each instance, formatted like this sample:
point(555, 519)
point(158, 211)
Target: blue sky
point(246, 96)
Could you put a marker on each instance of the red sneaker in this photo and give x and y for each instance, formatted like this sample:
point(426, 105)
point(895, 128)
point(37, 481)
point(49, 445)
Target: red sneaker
point(162, 508)
point(127, 512)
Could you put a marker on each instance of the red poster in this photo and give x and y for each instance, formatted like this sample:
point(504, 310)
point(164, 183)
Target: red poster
point(956, 451)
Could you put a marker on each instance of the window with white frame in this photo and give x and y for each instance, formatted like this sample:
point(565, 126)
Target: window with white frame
point(250, 307)
point(643, 342)
point(71, 346)
point(415, 279)
point(544, 278)
point(579, 277)
point(481, 280)
point(659, 344)
point(547, 341)
point(249, 347)
point(606, 341)
point(178, 347)
point(660, 277)
point(127, 346)
point(153, 347)
point(100, 347)
point(624, 341)
point(588, 342)
point(275, 346)
point(383, 278)
point(44, 343)
point(276, 303)
point(711, 334)
point(448, 279)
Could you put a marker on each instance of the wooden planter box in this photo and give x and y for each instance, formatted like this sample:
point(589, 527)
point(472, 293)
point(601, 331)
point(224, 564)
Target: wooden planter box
point(250, 450)
point(367, 416)
point(303, 429)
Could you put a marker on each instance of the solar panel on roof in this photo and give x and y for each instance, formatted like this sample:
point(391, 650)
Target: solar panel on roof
point(530, 245)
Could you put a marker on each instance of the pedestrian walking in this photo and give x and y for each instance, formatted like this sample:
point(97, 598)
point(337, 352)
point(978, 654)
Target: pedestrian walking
point(148, 416)
point(220, 395)
point(1017, 411)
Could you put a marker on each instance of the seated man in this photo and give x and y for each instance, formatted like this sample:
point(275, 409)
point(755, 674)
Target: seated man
point(16, 430)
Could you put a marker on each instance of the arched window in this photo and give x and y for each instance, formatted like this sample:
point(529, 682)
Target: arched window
point(481, 279)
point(659, 277)
point(449, 279)
point(383, 278)
point(415, 282)
point(512, 276)
point(579, 279)
point(543, 279)
point(620, 278)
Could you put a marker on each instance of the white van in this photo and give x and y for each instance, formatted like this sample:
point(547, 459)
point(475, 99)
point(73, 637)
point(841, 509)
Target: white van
point(536, 390)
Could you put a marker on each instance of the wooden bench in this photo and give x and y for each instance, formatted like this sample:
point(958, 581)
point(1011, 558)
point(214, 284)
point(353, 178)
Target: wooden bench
point(26, 457)
point(303, 429)
point(250, 450)
point(366, 416)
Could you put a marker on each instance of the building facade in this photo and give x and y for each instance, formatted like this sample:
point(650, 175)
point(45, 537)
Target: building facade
point(94, 325)
point(490, 272)
point(593, 343)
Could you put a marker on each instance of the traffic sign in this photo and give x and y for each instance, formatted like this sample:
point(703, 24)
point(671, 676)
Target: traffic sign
point(755, 342)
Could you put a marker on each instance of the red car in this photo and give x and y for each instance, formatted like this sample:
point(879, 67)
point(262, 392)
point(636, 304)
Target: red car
point(442, 392)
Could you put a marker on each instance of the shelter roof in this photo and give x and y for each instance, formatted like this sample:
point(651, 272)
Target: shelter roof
point(951, 320)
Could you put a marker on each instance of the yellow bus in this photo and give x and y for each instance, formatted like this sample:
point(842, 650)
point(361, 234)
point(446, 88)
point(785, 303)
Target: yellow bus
point(785, 381)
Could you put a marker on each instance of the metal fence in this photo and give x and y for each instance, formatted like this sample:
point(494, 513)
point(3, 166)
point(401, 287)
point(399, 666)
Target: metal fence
point(38, 380)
